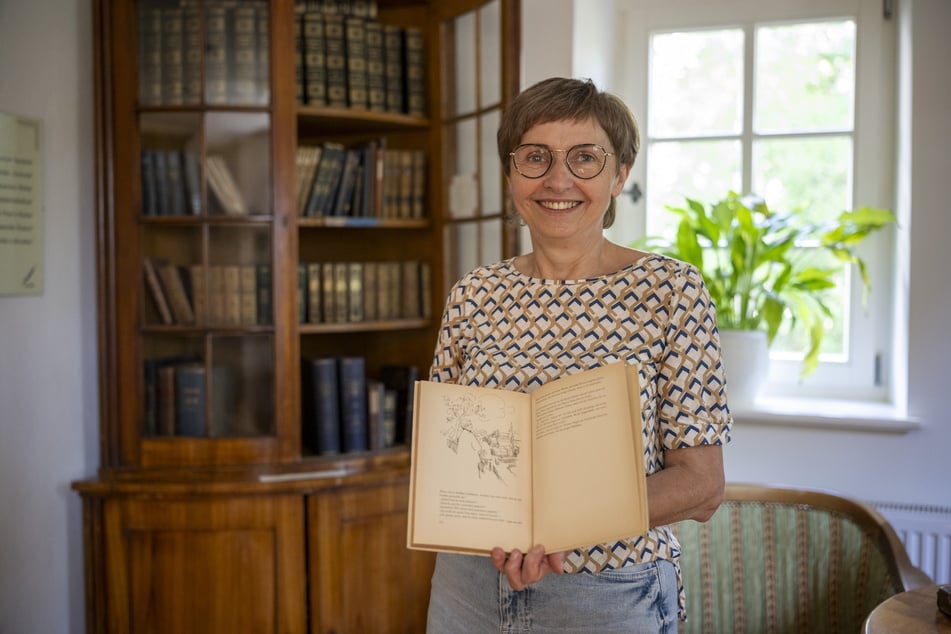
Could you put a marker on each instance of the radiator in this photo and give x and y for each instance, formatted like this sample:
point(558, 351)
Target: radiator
point(926, 533)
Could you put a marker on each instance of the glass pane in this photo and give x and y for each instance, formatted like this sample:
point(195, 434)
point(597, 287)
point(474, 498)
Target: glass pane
point(809, 174)
point(235, 289)
point(462, 169)
point(170, 164)
point(173, 382)
point(242, 386)
point(791, 343)
point(237, 53)
point(238, 171)
point(688, 69)
point(491, 171)
point(805, 76)
point(464, 78)
point(703, 170)
point(169, 253)
point(491, 233)
point(462, 250)
point(490, 51)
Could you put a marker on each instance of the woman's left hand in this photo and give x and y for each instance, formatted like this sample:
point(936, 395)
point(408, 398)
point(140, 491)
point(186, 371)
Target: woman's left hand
point(523, 570)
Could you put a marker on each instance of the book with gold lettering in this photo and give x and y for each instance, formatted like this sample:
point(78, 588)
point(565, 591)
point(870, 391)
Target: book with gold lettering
point(561, 466)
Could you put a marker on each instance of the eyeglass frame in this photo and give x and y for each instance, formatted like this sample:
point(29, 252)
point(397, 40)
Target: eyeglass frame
point(567, 164)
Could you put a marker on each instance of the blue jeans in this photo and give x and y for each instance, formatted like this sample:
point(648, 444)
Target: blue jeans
point(470, 596)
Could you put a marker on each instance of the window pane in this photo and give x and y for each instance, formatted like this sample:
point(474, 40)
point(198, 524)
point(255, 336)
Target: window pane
point(791, 343)
point(491, 236)
point(490, 50)
point(464, 32)
point(805, 76)
point(704, 170)
point(811, 174)
point(462, 168)
point(490, 171)
point(696, 83)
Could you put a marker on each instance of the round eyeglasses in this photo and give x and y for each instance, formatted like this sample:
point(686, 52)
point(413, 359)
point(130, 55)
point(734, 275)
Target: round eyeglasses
point(584, 161)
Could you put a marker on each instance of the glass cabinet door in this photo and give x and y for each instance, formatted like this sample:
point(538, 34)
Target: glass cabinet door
point(205, 224)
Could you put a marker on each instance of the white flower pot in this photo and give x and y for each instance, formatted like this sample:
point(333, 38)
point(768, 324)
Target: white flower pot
point(746, 363)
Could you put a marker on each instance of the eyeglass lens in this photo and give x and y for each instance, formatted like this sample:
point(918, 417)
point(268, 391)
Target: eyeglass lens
point(584, 161)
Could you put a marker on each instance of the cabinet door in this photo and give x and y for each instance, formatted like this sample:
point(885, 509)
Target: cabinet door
point(362, 576)
point(191, 294)
point(205, 565)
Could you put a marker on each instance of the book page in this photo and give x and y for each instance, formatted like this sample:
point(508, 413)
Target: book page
point(470, 485)
point(588, 461)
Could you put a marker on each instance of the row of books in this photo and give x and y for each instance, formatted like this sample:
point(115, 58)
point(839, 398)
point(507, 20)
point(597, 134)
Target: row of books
point(344, 411)
point(342, 292)
point(368, 180)
point(227, 63)
point(215, 295)
point(354, 8)
point(171, 184)
point(344, 61)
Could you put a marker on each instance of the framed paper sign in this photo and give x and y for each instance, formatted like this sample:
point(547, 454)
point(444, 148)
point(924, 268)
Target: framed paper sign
point(21, 206)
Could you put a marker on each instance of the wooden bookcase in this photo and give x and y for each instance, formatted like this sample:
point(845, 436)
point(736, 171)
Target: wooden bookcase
point(221, 517)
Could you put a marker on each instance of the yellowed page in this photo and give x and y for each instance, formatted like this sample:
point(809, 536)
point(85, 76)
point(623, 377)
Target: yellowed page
point(590, 485)
point(470, 481)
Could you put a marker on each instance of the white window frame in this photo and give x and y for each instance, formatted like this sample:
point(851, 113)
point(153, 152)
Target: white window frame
point(866, 376)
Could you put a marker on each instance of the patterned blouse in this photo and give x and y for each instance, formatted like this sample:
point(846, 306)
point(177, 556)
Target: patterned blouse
point(504, 329)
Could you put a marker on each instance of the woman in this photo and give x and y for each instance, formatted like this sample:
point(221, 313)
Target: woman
point(567, 149)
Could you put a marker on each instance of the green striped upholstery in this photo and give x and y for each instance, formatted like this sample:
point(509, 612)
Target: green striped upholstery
point(783, 560)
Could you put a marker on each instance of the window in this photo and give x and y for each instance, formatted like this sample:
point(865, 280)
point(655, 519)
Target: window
point(791, 102)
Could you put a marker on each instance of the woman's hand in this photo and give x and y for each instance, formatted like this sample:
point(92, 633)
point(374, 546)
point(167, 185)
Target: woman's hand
point(523, 570)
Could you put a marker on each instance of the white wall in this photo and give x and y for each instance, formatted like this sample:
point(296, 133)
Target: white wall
point(872, 466)
point(48, 382)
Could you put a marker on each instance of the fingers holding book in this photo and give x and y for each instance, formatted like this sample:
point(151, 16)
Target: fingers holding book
point(524, 570)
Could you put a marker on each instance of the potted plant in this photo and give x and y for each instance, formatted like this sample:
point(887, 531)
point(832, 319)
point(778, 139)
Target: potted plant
point(759, 264)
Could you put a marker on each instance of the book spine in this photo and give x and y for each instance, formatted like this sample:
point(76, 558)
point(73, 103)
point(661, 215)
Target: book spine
point(341, 291)
point(216, 54)
point(302, 288)
point(414, 91)
point(149, 397)
point(327, 292)
point(353, 404)
point(249, 294)
point(243, 69)
point(149, 194)
point(162, 196)
point(263, 286)
point(299, 57)
point(175, 292)
point(314, 59)
point(190, 399)
point(335, 59)
point(262, 79)
point(154, 285)
point(370, 307)
point(355, 43)
point(402, 380)
point(314, 308)
point(355, 291)
point(418, 185)
point(320, 405)
point(376, 66)
point(165, 397)
point(196, 274)
point(343, 196)
point(409, 284)
point(393, 59)
point(191, 55)
point(232, 294)
point(325, 179)
point(176, 182)
point(376, 393)
point(192, 175)
point(150, 56)
point(173, 66)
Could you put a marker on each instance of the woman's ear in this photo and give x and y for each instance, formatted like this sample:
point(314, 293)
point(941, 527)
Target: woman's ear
point(619, 180)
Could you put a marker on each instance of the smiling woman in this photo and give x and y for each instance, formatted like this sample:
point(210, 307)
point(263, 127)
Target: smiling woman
point(579, 301)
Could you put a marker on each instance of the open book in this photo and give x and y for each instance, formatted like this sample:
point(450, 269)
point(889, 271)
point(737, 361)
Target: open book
point(562, 466)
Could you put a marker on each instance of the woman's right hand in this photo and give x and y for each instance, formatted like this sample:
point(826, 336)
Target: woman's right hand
point(524, 570)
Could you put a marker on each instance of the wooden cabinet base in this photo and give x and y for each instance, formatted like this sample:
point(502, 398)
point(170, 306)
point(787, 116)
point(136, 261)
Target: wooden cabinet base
point(197, 557)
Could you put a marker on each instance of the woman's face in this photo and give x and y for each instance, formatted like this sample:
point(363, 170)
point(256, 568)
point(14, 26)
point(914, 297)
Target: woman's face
point(559, 206)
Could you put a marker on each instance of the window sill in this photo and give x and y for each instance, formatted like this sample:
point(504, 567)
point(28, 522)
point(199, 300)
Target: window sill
point(799, 413)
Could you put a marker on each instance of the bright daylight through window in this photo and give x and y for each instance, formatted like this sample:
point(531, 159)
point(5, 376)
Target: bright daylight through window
point(770, 107)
